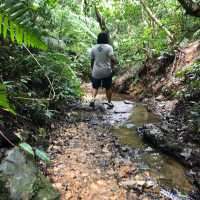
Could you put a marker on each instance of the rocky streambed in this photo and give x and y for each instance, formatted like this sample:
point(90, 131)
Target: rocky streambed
point(98, 155)
point(89, 163)
point(176, 134)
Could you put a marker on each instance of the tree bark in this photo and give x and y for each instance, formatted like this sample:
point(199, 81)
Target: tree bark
point(191, 8)
point(156, 20)
point(100, 20)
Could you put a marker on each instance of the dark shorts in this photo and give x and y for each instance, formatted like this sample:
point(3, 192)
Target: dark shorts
point(104, 82)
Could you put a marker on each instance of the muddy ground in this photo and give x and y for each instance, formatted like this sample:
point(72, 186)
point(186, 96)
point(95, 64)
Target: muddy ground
point(90, 164)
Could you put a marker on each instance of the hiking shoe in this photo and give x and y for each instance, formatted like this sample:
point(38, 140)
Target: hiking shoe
point(92, 104)
point(110, 105)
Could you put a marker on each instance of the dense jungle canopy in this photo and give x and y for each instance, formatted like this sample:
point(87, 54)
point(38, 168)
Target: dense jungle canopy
point(60, 33)
point(45, 62)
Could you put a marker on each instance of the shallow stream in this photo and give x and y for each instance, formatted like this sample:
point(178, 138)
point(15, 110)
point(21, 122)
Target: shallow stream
point(167, 171)
point(126, 117)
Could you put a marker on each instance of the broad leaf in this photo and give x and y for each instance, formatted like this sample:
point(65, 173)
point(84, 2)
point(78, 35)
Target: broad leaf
point(42, 155)
point(27, 148)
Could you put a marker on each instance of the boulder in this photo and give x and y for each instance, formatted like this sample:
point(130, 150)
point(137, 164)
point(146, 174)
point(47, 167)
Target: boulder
point(20, 179)
point(170, 141)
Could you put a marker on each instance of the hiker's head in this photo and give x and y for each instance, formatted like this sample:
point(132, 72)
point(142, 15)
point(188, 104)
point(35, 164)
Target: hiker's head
point(103, 38)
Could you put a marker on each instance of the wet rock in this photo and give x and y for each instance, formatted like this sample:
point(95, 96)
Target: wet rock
point(149, 184)
point(125, 171)
point(139, 182)
point(160, 138)
point(98, 107)
point(121, 107)
point(152, 133)
point(130, 125)
point(172, 142)
point(128, 102)
point(149, 149)
point(21, 178)
point(104, 163)
point(186, 153)
point(132, 184)
point(172, 195)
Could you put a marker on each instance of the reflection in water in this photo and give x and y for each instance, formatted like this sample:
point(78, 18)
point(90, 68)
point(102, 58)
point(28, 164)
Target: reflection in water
point(167, 171)
point(140, 116)
point(128, 136)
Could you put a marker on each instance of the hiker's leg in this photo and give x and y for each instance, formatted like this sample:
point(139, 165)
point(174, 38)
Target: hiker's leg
point(94, 93)
point(107, 84)
point(109, 94)
point(96, 83)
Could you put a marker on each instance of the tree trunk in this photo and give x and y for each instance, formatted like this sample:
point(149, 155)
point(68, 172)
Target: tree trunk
point(156, 20)
point(100, 20)
point(191, 8)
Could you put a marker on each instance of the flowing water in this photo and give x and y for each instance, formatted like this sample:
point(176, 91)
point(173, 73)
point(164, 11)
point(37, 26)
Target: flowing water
point(126, 118)
point(168, 172)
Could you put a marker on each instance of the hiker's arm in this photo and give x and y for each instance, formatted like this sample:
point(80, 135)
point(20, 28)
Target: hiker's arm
point(113, 61)
point(92, 58)
point(92, 63)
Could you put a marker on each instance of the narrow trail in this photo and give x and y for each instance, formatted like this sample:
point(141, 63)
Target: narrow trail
point(83, 167)
point(90, 164)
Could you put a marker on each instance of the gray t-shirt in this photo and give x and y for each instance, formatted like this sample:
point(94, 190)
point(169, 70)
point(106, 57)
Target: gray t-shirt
point(102, 54)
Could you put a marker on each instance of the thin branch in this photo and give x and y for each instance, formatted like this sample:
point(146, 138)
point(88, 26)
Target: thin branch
point(32, 99)
point(156, 20)
point(7, 139)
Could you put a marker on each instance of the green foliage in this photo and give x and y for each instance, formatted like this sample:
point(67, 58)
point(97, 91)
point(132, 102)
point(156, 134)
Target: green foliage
point(136, 36)
point(81, 64)
point(191, 77)
point(37, 152)
point(69, 29)
point(27, 148)
point(57, 67)
point(30, 90)
point(42, 155)
point(15, 19)
point(4, 104)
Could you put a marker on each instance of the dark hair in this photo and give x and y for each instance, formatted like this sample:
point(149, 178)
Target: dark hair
point(103, 38)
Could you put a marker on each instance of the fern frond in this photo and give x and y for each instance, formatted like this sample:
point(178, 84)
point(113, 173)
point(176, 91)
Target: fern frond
point(15, 23)
point(5, 27)
point(12, 34)
point(1, 19)
point(20, 34)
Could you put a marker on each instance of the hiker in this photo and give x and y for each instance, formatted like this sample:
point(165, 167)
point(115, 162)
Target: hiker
point(102, 64)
